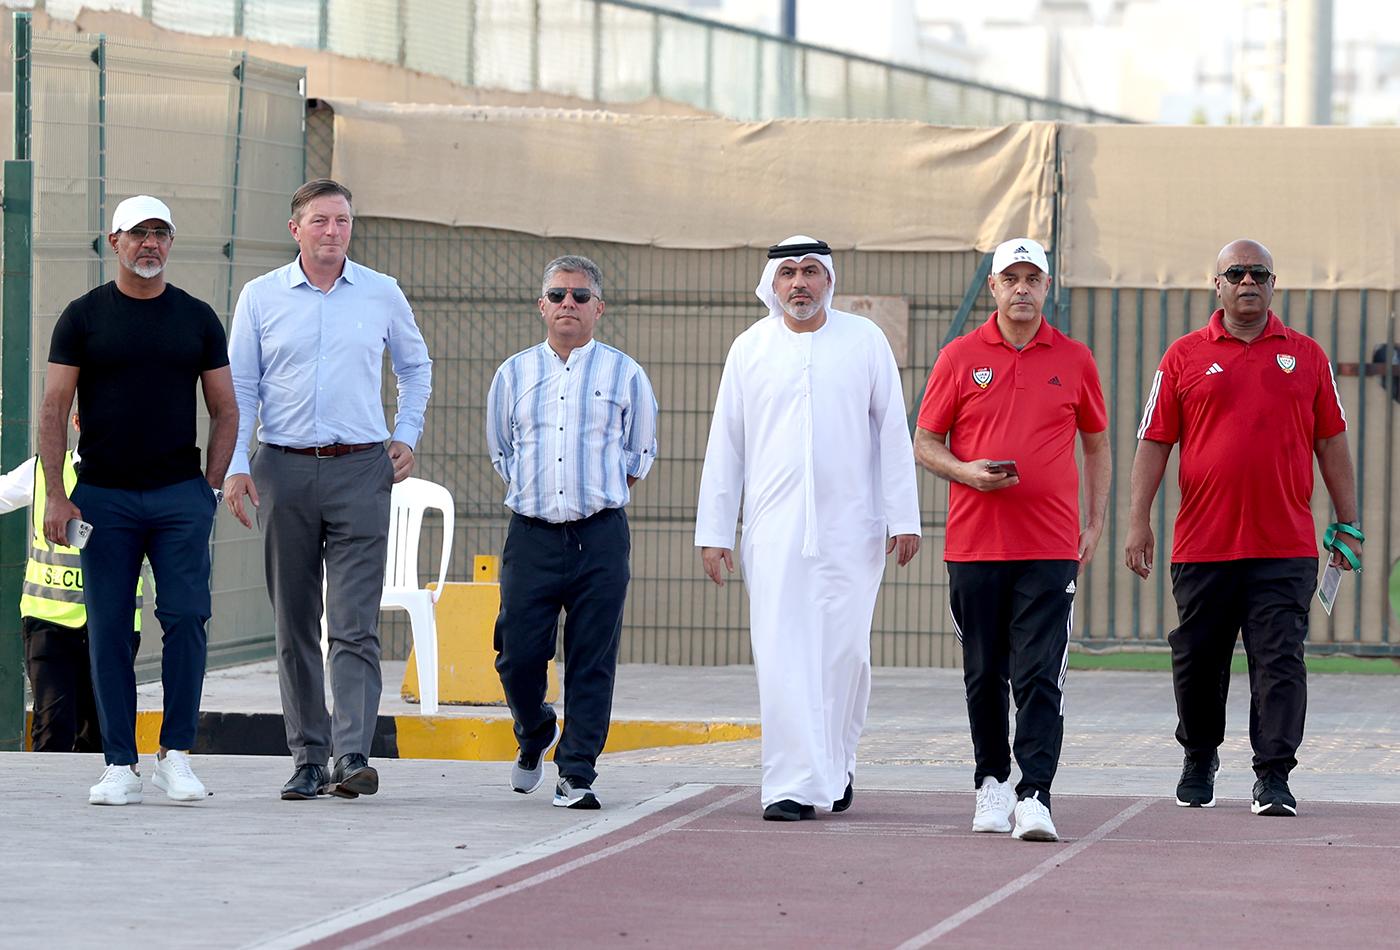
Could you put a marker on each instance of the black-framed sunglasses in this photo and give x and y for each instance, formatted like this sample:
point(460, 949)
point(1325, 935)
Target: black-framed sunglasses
point(556, 294)
point(140, 234)
point(1235, 273)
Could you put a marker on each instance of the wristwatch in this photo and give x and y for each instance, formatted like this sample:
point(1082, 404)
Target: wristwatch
point(218, 496)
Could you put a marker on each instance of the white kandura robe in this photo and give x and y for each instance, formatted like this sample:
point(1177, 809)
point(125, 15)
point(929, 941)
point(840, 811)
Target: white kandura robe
point(811, 429)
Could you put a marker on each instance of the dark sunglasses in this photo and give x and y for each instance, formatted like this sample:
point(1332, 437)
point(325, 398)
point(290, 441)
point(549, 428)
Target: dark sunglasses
point(1235, 274)
point(556, 294)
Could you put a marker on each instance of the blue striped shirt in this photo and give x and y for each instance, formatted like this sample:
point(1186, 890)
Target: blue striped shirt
point(565, 436)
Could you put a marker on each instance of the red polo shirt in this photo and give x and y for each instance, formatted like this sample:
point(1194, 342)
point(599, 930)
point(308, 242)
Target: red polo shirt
point(996, 402)
point(1246, 415)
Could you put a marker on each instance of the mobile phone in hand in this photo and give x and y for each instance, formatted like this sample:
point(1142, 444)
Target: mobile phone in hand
point(1008, 466)
point(78, 532)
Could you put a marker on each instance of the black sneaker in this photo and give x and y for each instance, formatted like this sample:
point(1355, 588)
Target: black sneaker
point(574, 793)
point(788, 810)
point(1272, 797)
point(1197, 786)
point(844, 802)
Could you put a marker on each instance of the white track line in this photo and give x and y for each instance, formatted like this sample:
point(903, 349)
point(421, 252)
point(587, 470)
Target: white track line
point(1030, 877)
point(383, 906)
point(544, 876)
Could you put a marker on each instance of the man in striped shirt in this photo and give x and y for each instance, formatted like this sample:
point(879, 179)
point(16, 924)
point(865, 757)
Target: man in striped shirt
point(571, 427)
point(1251, 402)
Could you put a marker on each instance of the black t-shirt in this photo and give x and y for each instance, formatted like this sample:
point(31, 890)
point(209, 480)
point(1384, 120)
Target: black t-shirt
point(139, 362)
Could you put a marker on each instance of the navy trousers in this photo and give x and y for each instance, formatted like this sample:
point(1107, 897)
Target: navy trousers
point(582, 568)
point(169, 526)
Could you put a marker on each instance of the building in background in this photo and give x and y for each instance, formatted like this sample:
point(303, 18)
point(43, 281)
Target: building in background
point(1213, 62)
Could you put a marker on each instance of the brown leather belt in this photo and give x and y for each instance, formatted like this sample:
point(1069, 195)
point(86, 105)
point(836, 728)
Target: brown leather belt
point(326, 451)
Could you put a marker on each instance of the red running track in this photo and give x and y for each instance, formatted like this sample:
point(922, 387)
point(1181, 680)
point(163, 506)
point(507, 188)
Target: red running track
point(902, 870)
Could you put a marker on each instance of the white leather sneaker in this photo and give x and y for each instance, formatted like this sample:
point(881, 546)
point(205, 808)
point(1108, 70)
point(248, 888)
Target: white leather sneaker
point(174, 776)
point(1033, 821)
point(119, 785)
point(996, 801)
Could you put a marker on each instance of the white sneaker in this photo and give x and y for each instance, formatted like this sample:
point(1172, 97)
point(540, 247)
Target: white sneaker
point(119, 785)
point(996, 801)
point(1033, 821)
point(174, 776)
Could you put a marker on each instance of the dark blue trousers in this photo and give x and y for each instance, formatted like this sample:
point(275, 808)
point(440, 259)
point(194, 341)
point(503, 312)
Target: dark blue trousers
point(170, 526)
point(582, 568)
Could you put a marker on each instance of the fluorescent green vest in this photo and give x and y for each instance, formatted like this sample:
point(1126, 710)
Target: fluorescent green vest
point(53, 579)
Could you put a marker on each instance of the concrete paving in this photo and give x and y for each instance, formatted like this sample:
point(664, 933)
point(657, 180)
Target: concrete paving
point(244, 869)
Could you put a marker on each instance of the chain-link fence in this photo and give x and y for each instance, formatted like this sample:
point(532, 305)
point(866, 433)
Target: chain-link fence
point(675, 311)
point(1129, 330)
point(220, 139)
point(603, 50)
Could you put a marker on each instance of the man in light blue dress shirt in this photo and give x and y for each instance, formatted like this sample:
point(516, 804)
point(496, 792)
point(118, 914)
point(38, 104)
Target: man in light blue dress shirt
point(306, 349)
point(571, 426)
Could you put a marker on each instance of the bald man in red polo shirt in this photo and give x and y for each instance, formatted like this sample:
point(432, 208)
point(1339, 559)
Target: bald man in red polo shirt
point(1016, 390)
point(1251, 403)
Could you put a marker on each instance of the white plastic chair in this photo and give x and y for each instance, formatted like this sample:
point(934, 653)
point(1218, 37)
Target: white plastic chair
point(401, 588)
point(407, 502)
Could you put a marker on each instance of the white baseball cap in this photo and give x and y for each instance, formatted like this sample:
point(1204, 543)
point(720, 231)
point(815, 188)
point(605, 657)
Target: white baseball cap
point(133, 211)
point(1021, 249)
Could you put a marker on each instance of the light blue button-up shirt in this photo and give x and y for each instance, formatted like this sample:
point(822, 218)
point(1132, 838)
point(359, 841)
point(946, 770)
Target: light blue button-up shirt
point(307, 364)
point(566, 435)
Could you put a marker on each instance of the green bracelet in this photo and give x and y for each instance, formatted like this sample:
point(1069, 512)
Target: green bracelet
point(1330, 535)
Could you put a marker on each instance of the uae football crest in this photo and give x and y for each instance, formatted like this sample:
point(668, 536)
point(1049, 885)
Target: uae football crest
point(982, 375)
point(1287, 363)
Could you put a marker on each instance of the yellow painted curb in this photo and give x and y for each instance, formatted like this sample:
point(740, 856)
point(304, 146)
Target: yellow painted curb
point(493, 740)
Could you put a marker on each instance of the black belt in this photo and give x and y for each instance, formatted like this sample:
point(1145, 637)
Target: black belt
point(326, 451)
point(541, 523)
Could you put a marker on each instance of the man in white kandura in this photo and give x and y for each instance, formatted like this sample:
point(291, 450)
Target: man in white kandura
point(810, 429)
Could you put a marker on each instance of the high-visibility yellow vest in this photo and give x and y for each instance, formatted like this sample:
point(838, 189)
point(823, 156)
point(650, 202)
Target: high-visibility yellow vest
point(53, 578)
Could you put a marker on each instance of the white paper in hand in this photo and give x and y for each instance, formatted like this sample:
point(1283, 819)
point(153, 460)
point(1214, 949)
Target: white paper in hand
point(1327, 590)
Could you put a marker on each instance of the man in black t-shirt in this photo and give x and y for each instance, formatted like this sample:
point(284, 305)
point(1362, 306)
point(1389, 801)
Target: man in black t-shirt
point(134, 350)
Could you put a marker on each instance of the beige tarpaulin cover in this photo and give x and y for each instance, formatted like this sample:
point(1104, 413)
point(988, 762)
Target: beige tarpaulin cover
point(704, 182)
point(1150, 206)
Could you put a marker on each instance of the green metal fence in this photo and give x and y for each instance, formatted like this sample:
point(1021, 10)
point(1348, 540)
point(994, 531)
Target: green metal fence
point(676, 312)
point(607, 51)
point(1129, 330)
point(220, 138)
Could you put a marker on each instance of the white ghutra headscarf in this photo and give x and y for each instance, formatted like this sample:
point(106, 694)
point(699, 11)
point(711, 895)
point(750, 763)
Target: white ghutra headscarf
point(797, 248)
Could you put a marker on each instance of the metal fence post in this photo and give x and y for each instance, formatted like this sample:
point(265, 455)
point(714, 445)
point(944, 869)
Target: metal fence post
point(14, 438)
point(230, 249)
point(99, 58)
point(24, 27)
point(14, 391)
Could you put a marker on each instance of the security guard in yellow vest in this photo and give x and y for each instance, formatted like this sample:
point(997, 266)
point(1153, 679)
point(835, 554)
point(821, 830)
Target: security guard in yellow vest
point(55, 622)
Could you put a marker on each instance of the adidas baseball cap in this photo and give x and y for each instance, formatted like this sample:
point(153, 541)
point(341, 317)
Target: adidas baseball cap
point(133, 211)
point(1021, 249)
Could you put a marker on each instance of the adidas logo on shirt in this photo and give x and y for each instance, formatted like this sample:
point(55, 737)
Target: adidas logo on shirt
point(1214, 368)
point(1054, 381)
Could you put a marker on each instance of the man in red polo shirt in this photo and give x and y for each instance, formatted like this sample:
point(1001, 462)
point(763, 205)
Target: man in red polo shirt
point(1251, 402)
point(1016, 390)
